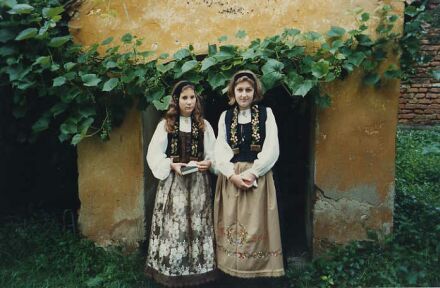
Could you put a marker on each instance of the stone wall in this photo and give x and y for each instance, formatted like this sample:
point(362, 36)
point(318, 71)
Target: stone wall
point(419, 103)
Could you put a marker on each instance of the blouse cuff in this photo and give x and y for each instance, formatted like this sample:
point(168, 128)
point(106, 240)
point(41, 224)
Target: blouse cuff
point(164, 170)
point(253, 171)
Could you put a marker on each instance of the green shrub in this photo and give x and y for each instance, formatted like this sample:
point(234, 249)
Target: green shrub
point(418, 164)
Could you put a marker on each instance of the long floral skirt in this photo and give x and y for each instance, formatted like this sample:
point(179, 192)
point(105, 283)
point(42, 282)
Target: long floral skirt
point(247, 228)
point(181, 248)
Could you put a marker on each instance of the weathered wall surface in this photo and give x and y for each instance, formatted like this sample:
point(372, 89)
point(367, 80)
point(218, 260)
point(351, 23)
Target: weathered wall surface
point(354, 161)
point(170, 25)
point(110, 184)
point(354, 164)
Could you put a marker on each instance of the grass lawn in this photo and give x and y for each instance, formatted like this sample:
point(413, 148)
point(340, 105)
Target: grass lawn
point(36, 252)
point(418, 164)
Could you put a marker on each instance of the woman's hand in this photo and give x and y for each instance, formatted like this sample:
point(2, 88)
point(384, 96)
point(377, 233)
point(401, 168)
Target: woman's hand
point(248, 178)
point(204, 165)
point(239, 183)
point(176, 167)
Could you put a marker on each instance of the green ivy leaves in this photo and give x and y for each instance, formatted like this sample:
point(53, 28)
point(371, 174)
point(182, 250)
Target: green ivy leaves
point(217, 80)
point(52, 12)
point(26, 34)
point(320, 69)
point(182, 53)
point(272, 73)
point(110, 84)
point(304, 88)
point(59, 81)
point(208, 62)
point(21, 9)
point(41, 124)
point(163, 103)
point(91, 92)
point(336, 32)
point(90, 80)
point(59, 41)
point(189, 65)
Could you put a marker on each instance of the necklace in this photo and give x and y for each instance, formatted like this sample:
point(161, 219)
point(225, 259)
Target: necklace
point(242, 134)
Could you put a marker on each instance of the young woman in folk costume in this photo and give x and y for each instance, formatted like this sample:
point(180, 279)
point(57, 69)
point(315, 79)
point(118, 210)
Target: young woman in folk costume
point(245, 206)
point(181, 247)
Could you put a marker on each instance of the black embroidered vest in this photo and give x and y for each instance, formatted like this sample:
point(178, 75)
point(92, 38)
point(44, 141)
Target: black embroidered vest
point(185, 147)
point(244, 135)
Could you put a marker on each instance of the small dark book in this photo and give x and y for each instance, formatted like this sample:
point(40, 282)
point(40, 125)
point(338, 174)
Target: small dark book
point(188, 169)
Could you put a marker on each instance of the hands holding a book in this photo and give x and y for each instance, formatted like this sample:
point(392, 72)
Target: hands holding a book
point(176, 167)
point(244, 180)
point(192, 166)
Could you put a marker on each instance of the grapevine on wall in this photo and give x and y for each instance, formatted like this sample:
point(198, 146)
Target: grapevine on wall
point(51, 82)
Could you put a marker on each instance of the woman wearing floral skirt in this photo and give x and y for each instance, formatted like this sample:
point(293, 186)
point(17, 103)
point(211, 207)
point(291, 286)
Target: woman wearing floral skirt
point(181, 246)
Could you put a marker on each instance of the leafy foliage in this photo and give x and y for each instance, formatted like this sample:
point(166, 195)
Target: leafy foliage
point(56, 83)
point(416, 17)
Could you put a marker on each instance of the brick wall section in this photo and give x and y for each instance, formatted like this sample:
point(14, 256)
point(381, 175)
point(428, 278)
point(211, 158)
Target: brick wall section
point(419, 102)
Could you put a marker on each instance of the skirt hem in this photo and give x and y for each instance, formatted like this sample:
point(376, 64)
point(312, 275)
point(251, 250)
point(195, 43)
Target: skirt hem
point(252, 274)
point(181, 280)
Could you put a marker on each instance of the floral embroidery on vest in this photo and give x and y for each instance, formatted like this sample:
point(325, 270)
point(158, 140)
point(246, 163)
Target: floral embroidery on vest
point(175, 141)
point(255, 137)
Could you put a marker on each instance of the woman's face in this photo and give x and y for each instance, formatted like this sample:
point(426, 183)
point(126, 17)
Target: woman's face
point(244, 94)
point(187, 102)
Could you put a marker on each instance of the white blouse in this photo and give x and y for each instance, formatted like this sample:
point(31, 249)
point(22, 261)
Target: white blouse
point(157, 158)
point(265, 159)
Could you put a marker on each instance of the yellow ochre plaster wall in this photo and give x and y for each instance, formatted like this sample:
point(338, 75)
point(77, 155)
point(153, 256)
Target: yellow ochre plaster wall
point(170, 25)
point(110, 184)
point(354, 162)
point(354, 139)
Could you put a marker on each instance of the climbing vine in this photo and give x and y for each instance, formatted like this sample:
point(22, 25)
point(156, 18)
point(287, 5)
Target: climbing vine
point(417, 19)
point(53, 82)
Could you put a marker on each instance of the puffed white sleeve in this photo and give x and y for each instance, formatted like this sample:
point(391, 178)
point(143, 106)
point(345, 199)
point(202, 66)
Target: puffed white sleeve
point(271, 149)
point(209, 146)
point(223, 152)
point(156, 155)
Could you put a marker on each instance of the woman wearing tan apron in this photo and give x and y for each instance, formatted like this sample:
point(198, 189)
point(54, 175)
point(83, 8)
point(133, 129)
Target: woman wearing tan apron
point(245, 207)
